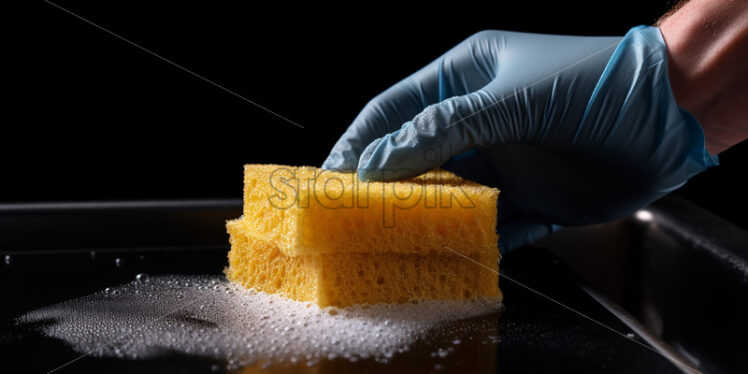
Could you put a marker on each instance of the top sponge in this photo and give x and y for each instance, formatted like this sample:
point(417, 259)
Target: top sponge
point(310, 211)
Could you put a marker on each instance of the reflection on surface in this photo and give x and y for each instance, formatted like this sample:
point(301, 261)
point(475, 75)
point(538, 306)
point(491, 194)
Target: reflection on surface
point(465, 346)
point(208, 317)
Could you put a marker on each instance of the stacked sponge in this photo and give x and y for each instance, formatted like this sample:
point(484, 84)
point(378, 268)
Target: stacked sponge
point(326, 237)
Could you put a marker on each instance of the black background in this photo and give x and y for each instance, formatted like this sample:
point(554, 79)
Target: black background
point(90, 117)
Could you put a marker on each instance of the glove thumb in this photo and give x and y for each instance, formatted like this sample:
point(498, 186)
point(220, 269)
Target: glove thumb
point(441, 131)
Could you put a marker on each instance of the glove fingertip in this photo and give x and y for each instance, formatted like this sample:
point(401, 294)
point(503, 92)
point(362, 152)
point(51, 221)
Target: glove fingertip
point(386, 159)
point(366, 156)
point(342, 158)
point(333, 162)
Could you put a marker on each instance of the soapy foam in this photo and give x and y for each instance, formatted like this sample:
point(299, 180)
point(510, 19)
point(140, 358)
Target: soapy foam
point(210, 317)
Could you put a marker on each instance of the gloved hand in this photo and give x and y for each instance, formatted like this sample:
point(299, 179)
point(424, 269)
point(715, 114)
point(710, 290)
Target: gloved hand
point(572, 130)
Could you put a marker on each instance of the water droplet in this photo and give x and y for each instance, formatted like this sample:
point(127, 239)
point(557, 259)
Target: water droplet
point(92, 254)
point(142, 278)
point(118, 262)
point(8, 259)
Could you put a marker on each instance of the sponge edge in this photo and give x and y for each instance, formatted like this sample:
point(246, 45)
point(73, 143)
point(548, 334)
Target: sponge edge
point(357, 278)
point(305, 211)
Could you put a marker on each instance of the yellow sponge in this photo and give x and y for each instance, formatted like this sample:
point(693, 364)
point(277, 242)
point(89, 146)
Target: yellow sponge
point(307, 210)
point(326, 237)
point(357, 278)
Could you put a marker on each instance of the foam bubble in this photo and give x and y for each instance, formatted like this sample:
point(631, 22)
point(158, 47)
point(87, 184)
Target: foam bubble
point(207, 316)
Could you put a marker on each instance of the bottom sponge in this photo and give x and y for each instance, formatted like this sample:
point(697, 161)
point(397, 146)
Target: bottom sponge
point(357, 278)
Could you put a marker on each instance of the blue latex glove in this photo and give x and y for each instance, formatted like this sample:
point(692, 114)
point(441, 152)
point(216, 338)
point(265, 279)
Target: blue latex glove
point(572, 130)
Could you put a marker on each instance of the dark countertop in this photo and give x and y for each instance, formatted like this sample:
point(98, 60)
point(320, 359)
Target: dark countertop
point(50, 261)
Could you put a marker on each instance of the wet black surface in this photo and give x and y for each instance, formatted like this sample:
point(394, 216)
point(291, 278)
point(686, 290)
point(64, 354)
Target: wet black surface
point(532, 335)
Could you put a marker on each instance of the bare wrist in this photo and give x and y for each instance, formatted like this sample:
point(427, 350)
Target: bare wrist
point(707, 43)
